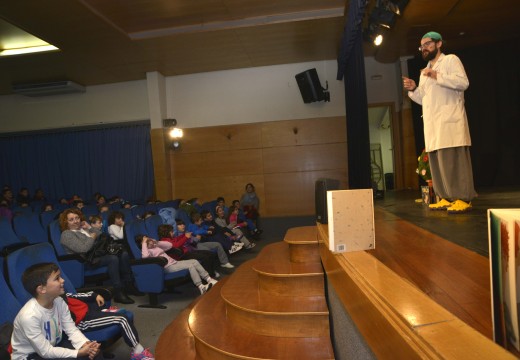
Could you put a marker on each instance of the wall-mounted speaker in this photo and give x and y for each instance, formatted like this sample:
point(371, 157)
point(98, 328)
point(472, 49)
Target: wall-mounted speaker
point(310, 87)
point(320, 197)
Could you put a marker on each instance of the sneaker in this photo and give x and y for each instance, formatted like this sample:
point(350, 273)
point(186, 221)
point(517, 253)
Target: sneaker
point(236, 247)
point(441, 205)
point(204, 288)
point(145, 355)
point(459, 207)
point(228, 266)
point(211, 281)
point(258, 231)
point(216, 275)
point(250, 246)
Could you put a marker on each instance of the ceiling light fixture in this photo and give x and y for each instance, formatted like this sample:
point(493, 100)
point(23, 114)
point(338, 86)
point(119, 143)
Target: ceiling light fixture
point(28, 50)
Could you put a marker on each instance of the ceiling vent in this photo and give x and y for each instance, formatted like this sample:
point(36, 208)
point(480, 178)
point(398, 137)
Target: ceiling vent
point(48, 88)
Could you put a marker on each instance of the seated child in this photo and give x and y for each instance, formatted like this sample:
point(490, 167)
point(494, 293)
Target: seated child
point(116, 224)
point(154, 248)
point(87, 312)
point(207, 234)
point(251, 226)
point(44, 329)
point(207, 259)
point(232, 224)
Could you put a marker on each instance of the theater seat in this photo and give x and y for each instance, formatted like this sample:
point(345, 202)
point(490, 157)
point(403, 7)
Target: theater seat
point(149, 273)
point(21, 259)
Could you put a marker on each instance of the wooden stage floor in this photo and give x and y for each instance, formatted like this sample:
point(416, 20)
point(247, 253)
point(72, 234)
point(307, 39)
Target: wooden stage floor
point(446, 256)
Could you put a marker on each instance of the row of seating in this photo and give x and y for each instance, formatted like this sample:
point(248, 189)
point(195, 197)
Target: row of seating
point(149, 274)
point(14, 294)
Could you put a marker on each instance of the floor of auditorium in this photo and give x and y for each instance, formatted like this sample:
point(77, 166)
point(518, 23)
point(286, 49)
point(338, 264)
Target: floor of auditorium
point(444, 255)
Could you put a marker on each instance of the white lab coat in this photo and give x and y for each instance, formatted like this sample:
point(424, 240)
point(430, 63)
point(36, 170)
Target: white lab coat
point(442, 100)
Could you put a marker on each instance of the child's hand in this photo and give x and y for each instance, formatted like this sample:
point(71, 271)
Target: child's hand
point(188, 235)
point(90, 349)
point(100, 301)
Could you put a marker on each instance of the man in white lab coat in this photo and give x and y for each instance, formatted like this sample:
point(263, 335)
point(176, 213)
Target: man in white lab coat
point(446, 132)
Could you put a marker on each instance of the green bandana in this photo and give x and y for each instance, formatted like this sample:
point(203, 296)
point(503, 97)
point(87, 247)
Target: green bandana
point(433, 35)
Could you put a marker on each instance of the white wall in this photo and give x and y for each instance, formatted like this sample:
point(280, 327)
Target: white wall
point(207, 99)
point(119, 102)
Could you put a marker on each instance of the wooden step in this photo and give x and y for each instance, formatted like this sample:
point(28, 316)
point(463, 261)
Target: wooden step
point(260, 313)
point(218, 338)
point(279, 276)
point(303, 244)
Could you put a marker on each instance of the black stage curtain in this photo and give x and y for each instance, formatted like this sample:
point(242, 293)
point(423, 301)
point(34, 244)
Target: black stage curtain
point(351, 63)
point(493, 109)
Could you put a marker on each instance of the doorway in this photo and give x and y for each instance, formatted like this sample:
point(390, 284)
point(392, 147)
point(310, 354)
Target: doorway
point(381, 148)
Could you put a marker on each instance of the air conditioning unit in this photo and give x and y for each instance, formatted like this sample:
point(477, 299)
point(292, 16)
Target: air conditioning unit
point(48, 88)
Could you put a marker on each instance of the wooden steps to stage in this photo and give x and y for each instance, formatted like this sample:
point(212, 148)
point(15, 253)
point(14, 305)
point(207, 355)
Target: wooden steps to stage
point(272, 307)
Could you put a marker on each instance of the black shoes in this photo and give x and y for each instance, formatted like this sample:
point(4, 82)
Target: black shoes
point(121, 297)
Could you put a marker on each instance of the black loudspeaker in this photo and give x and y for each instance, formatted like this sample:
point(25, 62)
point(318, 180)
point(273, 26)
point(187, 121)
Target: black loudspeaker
point(310, 87)
point(320, 197)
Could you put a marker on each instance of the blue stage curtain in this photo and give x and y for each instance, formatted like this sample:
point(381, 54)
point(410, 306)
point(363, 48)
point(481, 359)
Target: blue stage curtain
point(114, 160)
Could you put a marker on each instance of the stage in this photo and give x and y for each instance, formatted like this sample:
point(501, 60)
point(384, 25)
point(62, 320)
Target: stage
point(468, 230)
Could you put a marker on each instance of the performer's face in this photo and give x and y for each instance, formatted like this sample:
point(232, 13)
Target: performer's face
point(429, 49)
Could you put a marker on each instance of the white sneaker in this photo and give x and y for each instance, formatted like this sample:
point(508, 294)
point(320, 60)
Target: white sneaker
point(211, 281)
point(233, 249)
point(204, 288)
point(217, 275)
point(228, 266)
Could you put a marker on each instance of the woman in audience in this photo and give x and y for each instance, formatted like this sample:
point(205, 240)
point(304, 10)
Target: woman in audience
point(153, 248)
point(78, 237)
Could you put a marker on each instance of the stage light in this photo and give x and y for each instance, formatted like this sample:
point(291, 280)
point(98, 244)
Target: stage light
point(378, 40)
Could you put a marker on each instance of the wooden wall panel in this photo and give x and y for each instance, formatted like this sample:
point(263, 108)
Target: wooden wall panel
point(219, 163)
point(293, 193)
point(305, 158)
point(219, 138)
point(231, 187)
point(283, 159)
point(304, 132)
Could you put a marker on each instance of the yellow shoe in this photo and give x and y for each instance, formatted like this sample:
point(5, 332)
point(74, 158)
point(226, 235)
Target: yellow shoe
point(441, 205)
point(459, 207)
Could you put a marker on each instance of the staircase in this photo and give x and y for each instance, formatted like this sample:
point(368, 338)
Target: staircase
point(272, 307)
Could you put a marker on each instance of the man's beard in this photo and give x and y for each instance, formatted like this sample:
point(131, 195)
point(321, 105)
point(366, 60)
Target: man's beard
point(430, 55)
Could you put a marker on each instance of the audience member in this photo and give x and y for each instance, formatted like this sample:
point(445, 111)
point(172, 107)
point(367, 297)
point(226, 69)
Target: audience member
point(153, 248)
point(251, 226)
point(23, 196)
point(89, 312)
point(194, 241)
point(39, 195)
point(199, 229)
point(40, 324)
point(78, 237)
point(207, 259)
point(233, 225)
point(250, 203)
point(116, 224)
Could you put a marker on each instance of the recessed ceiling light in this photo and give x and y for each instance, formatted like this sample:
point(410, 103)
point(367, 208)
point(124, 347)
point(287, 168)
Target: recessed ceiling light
point(28, 50)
